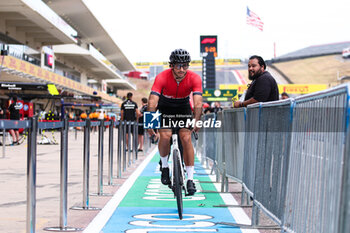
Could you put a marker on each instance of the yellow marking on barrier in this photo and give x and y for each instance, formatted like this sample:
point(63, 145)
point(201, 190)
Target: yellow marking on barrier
point(289, 88)
point(301, 88)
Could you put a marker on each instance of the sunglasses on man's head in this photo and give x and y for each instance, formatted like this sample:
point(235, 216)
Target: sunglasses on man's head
point(183, 65)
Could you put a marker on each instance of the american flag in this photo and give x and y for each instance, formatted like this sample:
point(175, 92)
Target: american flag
point(254, 20)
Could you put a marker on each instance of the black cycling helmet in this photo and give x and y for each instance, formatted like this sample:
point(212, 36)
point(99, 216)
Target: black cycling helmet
point(179, 56)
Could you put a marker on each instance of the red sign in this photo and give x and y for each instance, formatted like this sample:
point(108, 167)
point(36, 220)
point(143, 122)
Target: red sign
point(209, 44)
point(208, 41)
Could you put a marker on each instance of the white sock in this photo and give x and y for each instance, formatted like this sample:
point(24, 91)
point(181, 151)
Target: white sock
point(164, 161)
point(190, 171)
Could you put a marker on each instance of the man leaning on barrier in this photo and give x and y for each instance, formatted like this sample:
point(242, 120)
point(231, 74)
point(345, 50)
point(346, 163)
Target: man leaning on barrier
point(263, 87)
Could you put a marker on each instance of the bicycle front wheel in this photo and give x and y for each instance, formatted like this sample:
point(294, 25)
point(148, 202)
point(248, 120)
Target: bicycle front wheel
point(178, 182)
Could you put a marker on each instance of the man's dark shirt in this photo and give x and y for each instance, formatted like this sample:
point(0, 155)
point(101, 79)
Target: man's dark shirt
point(14, 111)
point(217, 109)
point(263, 89)
point(143, 109)
point(2, 115)
point(129, 108)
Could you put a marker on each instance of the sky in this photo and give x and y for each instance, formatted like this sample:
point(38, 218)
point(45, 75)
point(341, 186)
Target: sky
point(148, 30)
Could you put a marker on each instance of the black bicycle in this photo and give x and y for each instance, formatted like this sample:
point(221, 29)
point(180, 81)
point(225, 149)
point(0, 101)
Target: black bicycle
point(177, 172)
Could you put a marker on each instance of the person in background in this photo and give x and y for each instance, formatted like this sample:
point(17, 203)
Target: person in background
point(14, 115)
point(284, 95)
point(2, 116)
point(141, 129)
point(217, 107)
point(263, 87)
point(129, 112)
point(2, 113)
point(206, 108)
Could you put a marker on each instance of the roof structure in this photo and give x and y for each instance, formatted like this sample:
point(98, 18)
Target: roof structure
point(94, 62)
point(89, 29)
point(33, 23)
point(80, 44)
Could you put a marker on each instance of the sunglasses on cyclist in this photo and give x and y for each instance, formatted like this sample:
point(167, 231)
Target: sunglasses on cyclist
point(178, 66)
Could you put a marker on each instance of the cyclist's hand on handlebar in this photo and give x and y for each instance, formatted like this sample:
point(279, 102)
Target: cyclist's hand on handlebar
point(151, 132)
point(195, 134)
point(195, 129)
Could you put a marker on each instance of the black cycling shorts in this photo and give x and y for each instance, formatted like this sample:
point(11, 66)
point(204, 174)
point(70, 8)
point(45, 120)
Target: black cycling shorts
point(176, 113)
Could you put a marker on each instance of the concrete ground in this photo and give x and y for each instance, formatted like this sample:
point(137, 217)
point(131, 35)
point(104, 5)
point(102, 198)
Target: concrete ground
point(13, 183)
point(13, 172)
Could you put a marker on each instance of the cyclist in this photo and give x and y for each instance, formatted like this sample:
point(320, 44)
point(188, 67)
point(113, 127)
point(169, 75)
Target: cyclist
point(170, 94)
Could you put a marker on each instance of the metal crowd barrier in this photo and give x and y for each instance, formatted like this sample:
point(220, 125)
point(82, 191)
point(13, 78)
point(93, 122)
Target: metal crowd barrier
point(32, 125)
point(220, 158)
point(317, 162)
point(295, 158)
point(147, 143)
point(251, 137)
point(272, 157)
point(209, 151)
point(344, 225)
point(233, 140)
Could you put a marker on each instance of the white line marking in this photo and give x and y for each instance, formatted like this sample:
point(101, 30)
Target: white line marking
point(237, 213)
point(97, 224)
point(168, 230)
point(238, 76)
point(104, 215)
point(151, 224)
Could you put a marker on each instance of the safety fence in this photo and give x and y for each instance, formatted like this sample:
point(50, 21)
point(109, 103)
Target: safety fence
point(292, 158)
point(125, 157)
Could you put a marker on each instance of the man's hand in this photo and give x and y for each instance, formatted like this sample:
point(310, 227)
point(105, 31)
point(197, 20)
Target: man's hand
point(151, 132)
point(154, 136)
point(195, 129)
point(237, 104)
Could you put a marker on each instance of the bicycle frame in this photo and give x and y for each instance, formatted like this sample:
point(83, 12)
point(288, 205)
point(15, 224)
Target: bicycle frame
point(177, 176)
point(175, 144)
point(176, 147)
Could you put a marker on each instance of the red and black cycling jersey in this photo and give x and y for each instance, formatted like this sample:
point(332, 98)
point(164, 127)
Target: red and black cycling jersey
point(166, 85)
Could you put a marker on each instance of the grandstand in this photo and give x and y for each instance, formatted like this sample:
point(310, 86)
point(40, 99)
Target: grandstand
point(315, 64)
point(314, 51)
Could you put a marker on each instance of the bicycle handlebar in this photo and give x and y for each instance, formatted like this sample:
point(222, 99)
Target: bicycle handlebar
point(195, 134)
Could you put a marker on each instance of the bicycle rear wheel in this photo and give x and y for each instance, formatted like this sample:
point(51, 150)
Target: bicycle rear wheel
point(178, 182)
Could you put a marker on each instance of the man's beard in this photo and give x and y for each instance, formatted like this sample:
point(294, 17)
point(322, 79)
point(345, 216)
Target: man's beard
point(180, 77)
point(255, 76)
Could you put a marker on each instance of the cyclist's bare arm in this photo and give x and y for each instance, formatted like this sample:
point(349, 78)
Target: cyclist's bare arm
point(152, 106)
point(197, 102)
point(152, 103)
